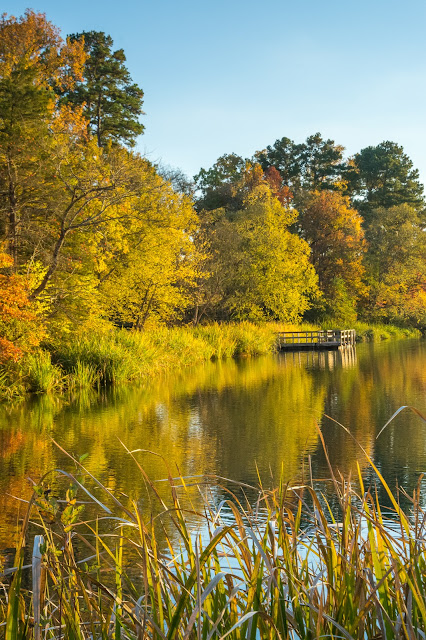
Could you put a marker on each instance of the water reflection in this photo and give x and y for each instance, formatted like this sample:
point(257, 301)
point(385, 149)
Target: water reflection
point(227, 418)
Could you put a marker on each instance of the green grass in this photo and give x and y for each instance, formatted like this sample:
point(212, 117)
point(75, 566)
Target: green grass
point(376, 332)
point(285, 567)
point(41, 375)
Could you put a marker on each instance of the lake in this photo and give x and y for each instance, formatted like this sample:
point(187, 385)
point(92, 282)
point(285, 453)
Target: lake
point(235, 419)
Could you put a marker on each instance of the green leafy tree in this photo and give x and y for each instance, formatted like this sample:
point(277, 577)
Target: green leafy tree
point(384, 176)
point(396, 266)
point(217, 184)
point(315, 164)
point(112, 102)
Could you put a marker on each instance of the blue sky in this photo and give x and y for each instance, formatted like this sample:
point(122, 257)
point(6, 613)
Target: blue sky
point(234, 76)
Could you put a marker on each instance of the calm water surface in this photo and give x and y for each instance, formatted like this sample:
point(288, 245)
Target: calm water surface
point(228, 418)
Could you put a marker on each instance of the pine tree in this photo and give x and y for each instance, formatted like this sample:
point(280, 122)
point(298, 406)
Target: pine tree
point(112, 102)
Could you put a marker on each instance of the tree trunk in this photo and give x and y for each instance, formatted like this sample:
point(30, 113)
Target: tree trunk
point(53, 265)
point(98, 121)
point(12, 232)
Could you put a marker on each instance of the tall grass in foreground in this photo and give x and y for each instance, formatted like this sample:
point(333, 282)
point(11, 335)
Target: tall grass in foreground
point(285, 567)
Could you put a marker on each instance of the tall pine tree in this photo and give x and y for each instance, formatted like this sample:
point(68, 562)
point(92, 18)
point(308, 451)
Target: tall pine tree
point(113, 103)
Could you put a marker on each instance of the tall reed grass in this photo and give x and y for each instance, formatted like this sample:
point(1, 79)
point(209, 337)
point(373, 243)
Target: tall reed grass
point(284, 567)
point(42, 376)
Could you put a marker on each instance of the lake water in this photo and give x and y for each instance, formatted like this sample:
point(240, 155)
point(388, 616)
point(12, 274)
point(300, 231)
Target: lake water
point(234, 419)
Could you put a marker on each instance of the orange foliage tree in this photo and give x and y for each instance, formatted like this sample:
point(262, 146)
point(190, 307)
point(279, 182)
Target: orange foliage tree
point(333, 230)
point(19, 329)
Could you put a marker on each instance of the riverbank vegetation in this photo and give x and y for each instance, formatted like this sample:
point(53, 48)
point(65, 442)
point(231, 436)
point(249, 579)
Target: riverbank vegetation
point(108, 355)
point(287, 565)
point(92, 234)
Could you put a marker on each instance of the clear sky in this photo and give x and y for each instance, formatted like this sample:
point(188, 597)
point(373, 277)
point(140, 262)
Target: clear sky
point(233, 76)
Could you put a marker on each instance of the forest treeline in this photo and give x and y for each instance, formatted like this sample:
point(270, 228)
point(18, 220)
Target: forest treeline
point(92, 232)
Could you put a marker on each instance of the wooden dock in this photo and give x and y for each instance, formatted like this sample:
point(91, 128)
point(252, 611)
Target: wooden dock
point(329, 339)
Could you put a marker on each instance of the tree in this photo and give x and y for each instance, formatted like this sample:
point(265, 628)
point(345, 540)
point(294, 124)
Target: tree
point(284, 156)
point(180, 182)
point(217, 184)
point(19, 328)
point(334, 233)
point(33, 58)
point(384, 176)
point(316, 164)
point(257, 268)
point(112, 102)
point(151, 276)
point(396, 266)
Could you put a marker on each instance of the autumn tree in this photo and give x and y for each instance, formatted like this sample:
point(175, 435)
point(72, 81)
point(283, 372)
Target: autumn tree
point(149, 272)
point(112, 102)
point(333, 230)
point(19, 328)
point(33, 58)
point(396, 266)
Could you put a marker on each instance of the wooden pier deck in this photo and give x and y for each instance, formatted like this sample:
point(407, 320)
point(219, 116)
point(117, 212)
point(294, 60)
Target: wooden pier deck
point(329, 339)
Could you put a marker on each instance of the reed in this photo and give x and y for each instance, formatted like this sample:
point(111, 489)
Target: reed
point(83, 376)
point(12, 386)
point(42, 376)
point(283, 567)
point(376, 332)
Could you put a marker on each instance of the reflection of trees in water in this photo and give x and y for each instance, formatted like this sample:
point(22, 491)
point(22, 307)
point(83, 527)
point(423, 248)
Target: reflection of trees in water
point(388, 375)
point(224, 418)
point(219, 419)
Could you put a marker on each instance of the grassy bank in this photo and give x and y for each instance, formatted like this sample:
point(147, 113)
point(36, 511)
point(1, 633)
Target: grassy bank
point(285, 567)
point(376, 332)
point(113, 356)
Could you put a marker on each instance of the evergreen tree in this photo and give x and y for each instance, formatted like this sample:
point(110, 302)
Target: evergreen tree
point(316, 164)
point(113, 103)
point(384, 176)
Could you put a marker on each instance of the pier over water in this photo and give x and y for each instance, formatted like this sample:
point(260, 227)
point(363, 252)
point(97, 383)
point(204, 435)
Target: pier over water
point(322, 339)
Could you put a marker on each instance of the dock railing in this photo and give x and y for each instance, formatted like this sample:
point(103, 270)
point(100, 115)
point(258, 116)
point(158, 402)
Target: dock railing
point(328, 338)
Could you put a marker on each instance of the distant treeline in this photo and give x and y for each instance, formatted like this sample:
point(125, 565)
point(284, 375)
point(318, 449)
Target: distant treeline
point(92, 232)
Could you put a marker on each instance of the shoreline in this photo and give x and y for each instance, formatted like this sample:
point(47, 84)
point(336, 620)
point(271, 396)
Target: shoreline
point(111, 356)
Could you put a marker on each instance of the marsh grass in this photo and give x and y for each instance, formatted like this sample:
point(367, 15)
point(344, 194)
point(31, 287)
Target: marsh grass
point(284, 567)
point(12, 386)
point(83, 376)
point(42, 375)
point(376, 332)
